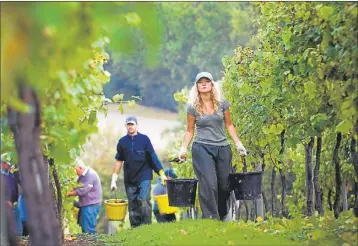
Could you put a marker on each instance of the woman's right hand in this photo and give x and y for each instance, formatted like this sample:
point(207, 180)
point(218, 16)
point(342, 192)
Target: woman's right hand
point(182, 154)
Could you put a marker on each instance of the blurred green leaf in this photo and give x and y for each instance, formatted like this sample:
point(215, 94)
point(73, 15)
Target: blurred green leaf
point(325, 12)
point(124, 40)
point(52, 14)
point(120, 108)
point(118, 97)
point(133, 19)
point(131, 103)
point(92, 117)
point(59, 153)
point(344, 126)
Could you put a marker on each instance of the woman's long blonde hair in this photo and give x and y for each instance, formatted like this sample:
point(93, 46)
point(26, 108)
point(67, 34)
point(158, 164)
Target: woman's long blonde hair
point(195, 101)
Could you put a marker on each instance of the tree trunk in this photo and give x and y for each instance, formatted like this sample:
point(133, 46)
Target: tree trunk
point(338, 175)
point(264, 198)
point(57, 200)
point(263, 192)
point(355, 208)
point(355, 164)
point(43, 225)
point(329, 199)
point(318, 192)
point(54, 201)
point(284, 208)
point(244, 168)
point(253, 210)
point(58, 190)
point(309, 181)
point(344, 196)
point(273, 192)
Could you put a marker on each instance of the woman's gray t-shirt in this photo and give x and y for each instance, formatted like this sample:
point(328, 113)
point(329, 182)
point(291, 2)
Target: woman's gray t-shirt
point(210, 128)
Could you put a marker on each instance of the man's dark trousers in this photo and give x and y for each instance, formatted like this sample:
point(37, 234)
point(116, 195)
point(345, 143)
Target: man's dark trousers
point(139, 205)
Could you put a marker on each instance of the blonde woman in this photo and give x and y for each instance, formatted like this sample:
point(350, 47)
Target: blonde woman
point(208, 112)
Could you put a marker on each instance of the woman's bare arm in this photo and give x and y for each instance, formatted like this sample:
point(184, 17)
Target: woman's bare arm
point(230, 126)
point(188, 136)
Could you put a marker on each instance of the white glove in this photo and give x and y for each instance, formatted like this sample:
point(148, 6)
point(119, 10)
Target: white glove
point(182, 154)
point(163, 178)
point(240, 148)
point(114, 181)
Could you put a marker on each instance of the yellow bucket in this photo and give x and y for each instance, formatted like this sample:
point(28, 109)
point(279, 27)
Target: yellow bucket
point(163, 205)
point(116, 209)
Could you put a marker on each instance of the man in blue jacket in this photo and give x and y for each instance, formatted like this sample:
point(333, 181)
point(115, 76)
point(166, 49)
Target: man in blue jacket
point(137, 153)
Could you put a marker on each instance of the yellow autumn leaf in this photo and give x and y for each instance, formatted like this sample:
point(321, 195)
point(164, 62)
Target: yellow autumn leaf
point(68, 237)
point(309, 225)
point(259, 219)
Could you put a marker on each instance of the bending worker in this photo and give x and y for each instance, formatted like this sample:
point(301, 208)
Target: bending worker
point(90, 197)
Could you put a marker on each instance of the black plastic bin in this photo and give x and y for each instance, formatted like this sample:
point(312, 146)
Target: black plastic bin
point(182, 192)
point(247, 186)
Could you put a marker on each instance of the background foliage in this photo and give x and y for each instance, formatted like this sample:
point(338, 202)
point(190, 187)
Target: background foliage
point(196, 35)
